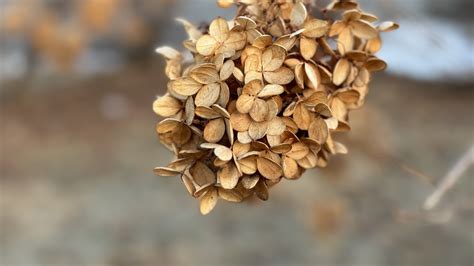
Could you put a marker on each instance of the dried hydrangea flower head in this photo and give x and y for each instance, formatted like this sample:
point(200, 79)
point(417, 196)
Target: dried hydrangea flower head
point(264, 94)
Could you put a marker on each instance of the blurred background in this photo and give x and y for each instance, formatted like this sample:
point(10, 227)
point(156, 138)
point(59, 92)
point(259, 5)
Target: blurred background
point(77, 148)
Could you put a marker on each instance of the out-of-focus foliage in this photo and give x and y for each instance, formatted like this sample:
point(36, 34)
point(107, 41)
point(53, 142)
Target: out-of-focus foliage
point(60, 31)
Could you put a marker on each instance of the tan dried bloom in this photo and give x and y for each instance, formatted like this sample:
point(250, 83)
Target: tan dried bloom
point(264, 94)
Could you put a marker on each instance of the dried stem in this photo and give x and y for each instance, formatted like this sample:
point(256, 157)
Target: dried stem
point(454, 174)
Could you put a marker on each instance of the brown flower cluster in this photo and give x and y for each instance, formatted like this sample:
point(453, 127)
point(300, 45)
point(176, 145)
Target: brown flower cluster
point(263, 94)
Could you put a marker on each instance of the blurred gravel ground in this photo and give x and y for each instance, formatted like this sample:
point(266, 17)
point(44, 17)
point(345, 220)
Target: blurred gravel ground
point(77, 186)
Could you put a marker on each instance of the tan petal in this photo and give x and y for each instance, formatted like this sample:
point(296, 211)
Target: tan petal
point(312, 144)
point(313, 75)
point(271, 90)
point(351, 15)
point(238, 74)
point(202, 190)
point(262, 41)
point(373, 45)
point(302, 117)
point(261, 190)
point(214, 130)
point(245, 103)
point(240, 122)
point(388, 26)
point(229, 195)
point(259, 110)
point(281, 76)
point(252, 63)
point(185, 86)
point(228, 176)
point(190, 45)
point(326, 75)
point(167, 106)
point(188, 183)
point(290, 125)
point(337, 28)
point(268, 168)
point(250, 182)
point(290, 168)
point(274, 107)
point(173, 69)
point(323, 110)
point(362, 78)
point(253, 87)
point(345, 42)
point(248, 165)
point(223, 153)
point(286, 42)
point(208, 201)
point(308, 47)
point(318, 130)
point(299, 75)
point(202, 174)
point(308, 162)
point(167, 125)
point(239, 149)
point(332, 123)
point(227, 70)
point(281, 148)
point(341, 71)
point(315, 98)
point(207, 95)
point(193, 32)
point(168, 52)
point(338, 109)
point(276, 126)
point(315, 28)
point(244, 137)
point(298, 14)
point(219, 29)
point(166, 171)
point(206, 74)
point(349, 96)
point(298, 151)
point(273, 58)
point(368, 17)
point(181, 164)
point(224, 95)
point(236, 40)
point(257, 130)
point(246, 23)
point(253, 75)
point(181, 135)
point(189, 110)
point(339, 148)
point(375, 64)
point(229, 130)
point(206, 45)
point(206, 112)
point(363, 29)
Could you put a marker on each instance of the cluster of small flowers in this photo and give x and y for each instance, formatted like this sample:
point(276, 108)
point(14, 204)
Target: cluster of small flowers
point(263, 95)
